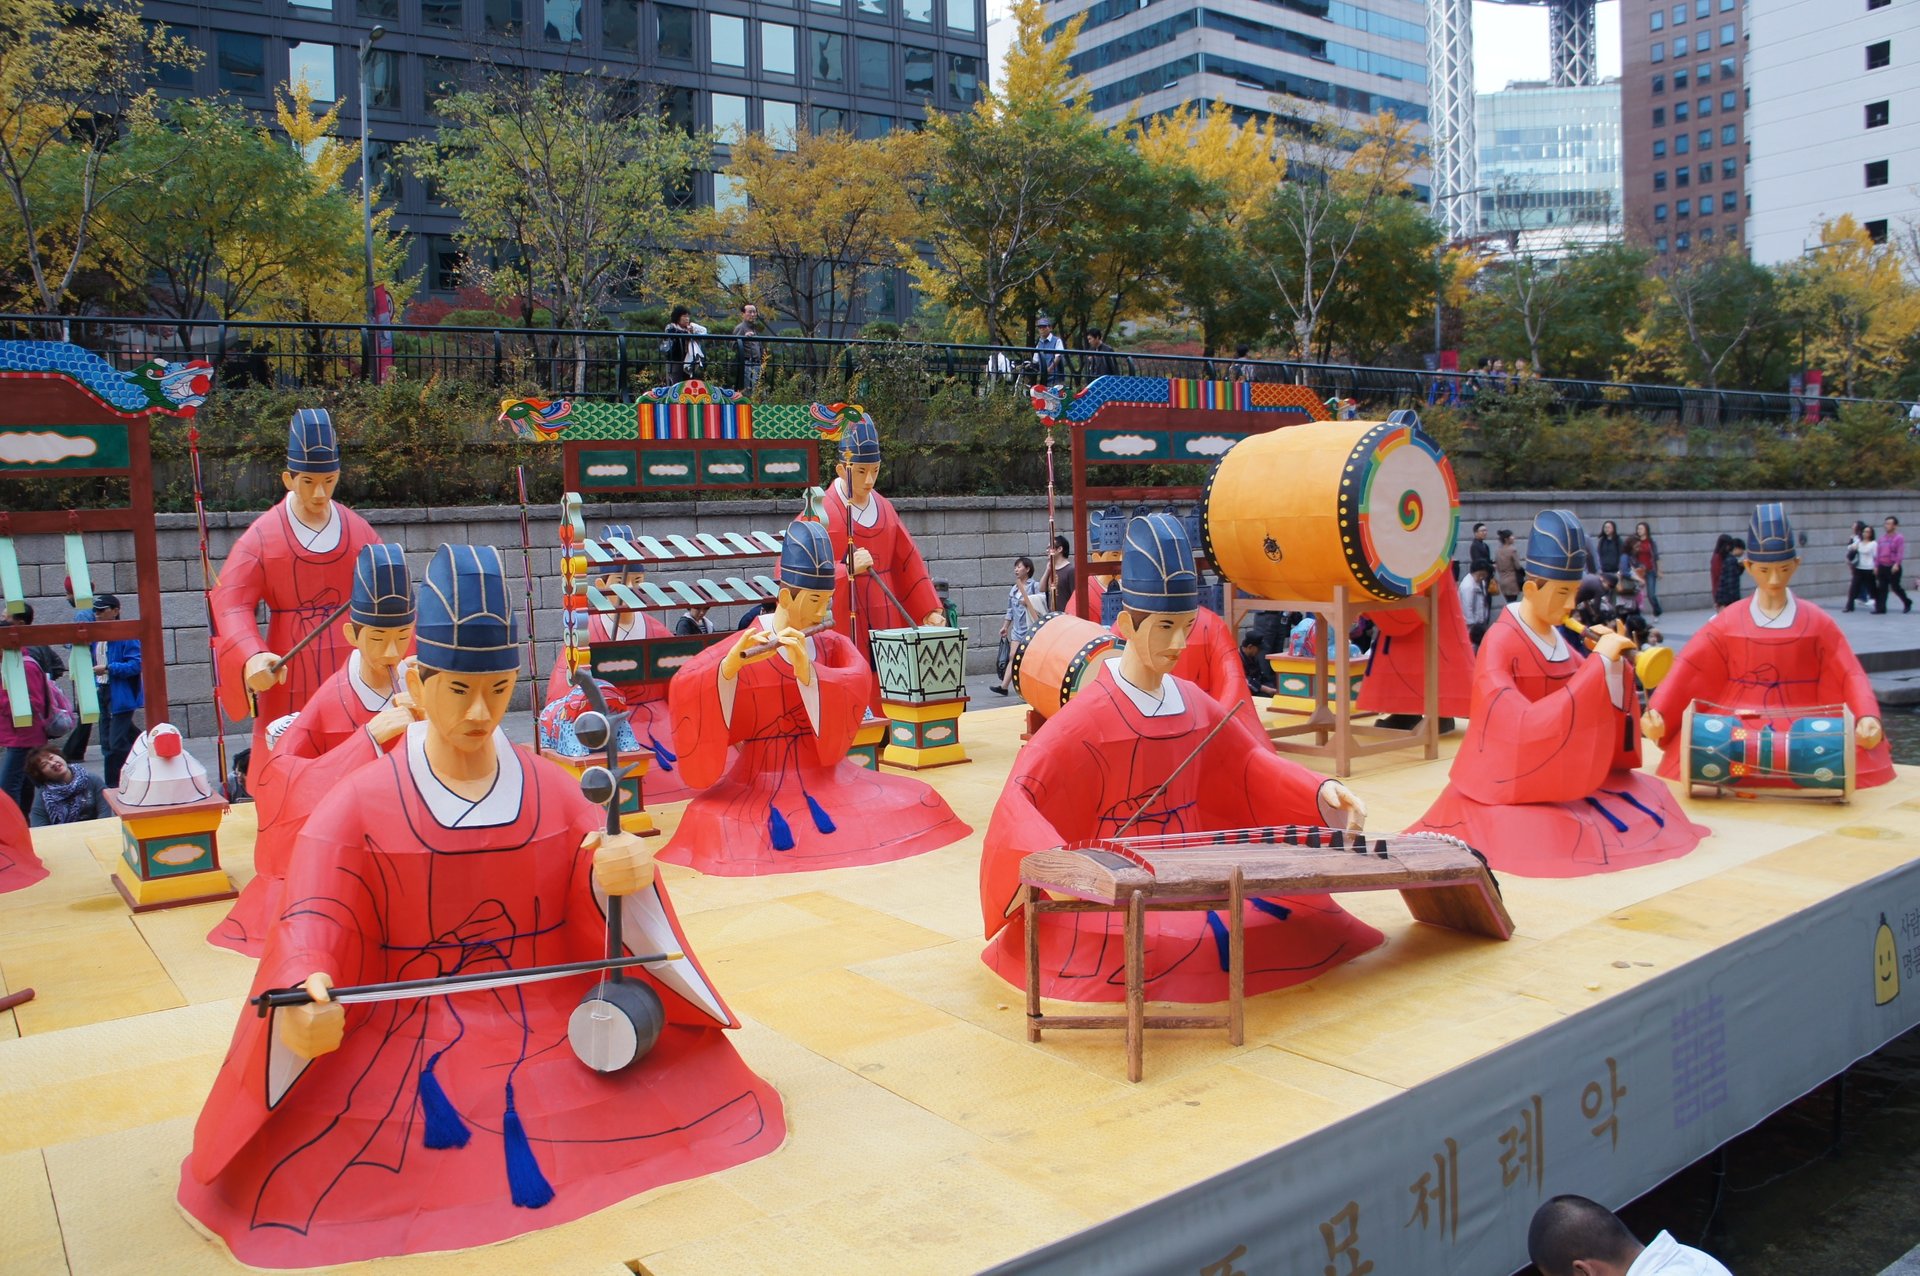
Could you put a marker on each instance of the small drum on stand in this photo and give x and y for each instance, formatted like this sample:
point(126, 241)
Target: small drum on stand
point(1743, 753)
point(923, 691)
point(1058, 658)
point(1295, 513)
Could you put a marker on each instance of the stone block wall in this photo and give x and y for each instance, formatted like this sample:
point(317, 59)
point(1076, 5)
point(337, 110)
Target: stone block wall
point(969, 542)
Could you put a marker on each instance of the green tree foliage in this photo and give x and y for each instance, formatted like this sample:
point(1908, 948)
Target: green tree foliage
point(229, 218)
point(1384, 302)
point(1857, 306)
point(1010, 180)
point(1565, 316)
point(72, 80)
point(571, 179)
point(1305, 231)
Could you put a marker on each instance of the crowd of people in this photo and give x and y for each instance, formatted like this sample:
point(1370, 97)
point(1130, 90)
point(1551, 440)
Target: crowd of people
point(42, 768)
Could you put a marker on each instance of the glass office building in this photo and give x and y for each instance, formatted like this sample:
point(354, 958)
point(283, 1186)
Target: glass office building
point(1550, 158)
point(869, 66)
point(1153, 56)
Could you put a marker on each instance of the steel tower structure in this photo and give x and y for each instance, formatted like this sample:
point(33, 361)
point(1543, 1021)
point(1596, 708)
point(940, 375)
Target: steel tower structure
point(1570, 32)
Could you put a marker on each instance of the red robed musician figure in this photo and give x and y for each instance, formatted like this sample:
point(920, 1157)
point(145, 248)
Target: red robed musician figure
point(1547, 780)
point(297, 558)
point(337, 1133)
point(1775, 653)
point(355, 716)
point(791, 699)
point(1094, 768)
point(886, 564)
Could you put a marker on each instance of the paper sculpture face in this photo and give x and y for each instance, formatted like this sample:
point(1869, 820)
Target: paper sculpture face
point(380, 649)
point(312, 493)
point(1548, 602)
point(1159, 638)
point(806, 607)
point(464, 708)
point(861, 478)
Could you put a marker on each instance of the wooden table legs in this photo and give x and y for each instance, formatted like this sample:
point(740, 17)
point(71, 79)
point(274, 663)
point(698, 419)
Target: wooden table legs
point(1034, 904)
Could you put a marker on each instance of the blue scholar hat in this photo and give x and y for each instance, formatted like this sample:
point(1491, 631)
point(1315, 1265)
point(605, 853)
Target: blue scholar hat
point(1770, 535)
point(1156, 566)
point(806, 559)
point(861, 444)
point(382, 591)
point(312, 446)
point(617, 532)
point(466, 621)
point(1557, 546)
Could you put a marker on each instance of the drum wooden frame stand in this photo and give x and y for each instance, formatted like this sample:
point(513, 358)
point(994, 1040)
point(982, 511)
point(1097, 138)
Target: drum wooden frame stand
point(1335, 734)
point(1034, 902)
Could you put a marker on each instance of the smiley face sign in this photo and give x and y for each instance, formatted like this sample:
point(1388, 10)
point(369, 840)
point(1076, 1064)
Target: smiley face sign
point(1886, 964)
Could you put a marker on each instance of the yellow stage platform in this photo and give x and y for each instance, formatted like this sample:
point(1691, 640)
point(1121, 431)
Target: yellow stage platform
point(926, 1134)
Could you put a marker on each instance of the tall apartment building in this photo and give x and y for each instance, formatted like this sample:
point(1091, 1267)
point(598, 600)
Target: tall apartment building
point(1549, 159)
point(1834, 119)
point(1152, 56)
point(865, 65)
point(1682, 122)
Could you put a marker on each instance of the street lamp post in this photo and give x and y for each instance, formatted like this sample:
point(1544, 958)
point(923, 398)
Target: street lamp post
point(372, 38)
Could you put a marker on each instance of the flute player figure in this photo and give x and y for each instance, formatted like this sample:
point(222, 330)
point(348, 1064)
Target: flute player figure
point(1547, 781)
point(791, 698)
point(342, 1133)
point(298, 559)
point(1095, 769)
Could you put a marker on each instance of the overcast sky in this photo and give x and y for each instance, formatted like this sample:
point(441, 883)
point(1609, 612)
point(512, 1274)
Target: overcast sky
point(1509, 41)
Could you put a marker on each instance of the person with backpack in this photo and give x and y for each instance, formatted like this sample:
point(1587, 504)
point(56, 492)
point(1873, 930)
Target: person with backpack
point(685, 358)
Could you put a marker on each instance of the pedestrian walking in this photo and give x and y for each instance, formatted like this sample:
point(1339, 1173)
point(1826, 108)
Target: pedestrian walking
point(1099, 360)
point(1861, 563)
point(1733, 565)
point(1476, 604)
point(1049, 355)
point(1606, 546)
point(1060, 574)
point(685, 357)
point(1508, 573)
point(125, 695)
point(1646, 555)
point(1479, 553)
point(19, 742)
point(750, 348)
point(1026, 608)
point(1888, 554)
point(1243, 365)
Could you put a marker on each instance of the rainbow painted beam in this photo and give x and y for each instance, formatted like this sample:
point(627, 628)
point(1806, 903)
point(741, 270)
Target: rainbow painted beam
point(1156, 420)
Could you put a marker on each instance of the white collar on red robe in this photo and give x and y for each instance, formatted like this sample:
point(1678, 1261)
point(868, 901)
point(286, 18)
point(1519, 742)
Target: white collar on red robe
point(863, 515)
point(323, 541)
point(809, 692)
point(370, 700)
point(499, 805)
point(1554, 651)
point(1165, 705)
point(1783, 621)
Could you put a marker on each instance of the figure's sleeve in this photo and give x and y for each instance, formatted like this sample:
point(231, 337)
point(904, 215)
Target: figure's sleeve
point(1554, 749)
point(306, 776)
point(1245, 784)
point(243, 583)
point(330, 920)
point(1836, 656)
point(907, 574)
point(700, 730)
point(1043, 805)
point(846, 687)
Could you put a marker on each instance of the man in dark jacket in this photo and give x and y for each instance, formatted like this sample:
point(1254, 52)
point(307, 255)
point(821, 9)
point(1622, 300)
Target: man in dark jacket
point(125, 695)
point(1479, 553)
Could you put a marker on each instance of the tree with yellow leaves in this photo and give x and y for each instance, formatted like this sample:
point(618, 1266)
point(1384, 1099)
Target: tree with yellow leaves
point(72, 79)
point(815, 212)
point(1858, 308)
point(1235, 167)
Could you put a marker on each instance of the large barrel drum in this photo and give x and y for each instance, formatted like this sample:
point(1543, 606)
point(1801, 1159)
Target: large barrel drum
point(1058, 658)
point(1295, 513)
